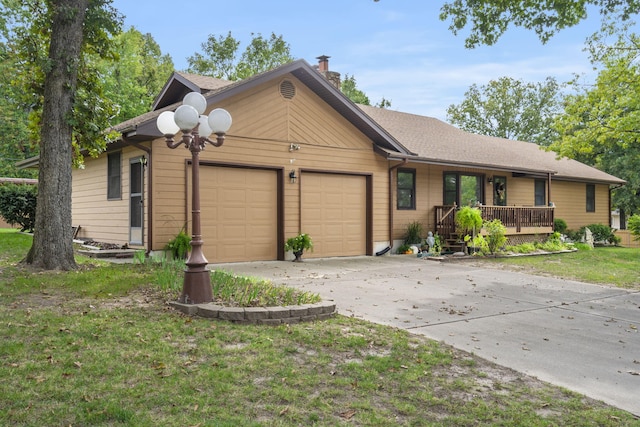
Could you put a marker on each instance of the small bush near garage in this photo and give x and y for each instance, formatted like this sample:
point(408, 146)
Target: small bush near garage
point(18, 205)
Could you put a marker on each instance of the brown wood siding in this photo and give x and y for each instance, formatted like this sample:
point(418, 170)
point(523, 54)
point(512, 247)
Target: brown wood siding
point(570, 199)
point(101, 219)
point(264, 127)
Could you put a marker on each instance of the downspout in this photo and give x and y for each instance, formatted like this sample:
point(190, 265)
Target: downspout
point(391, 169)
point(549, 189)
point(149, 191)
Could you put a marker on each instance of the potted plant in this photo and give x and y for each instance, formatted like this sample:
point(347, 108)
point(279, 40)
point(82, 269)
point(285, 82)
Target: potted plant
point(298, 244)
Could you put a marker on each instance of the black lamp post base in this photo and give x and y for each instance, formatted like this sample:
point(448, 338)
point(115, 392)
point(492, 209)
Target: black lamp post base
point(196, 288)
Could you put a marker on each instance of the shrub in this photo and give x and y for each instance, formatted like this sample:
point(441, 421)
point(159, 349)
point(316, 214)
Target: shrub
point(496, 235)
point(413, 233)
point(403, 249)
point(524, 248)
point(480, 245)
point(18, 205)
point(633, 224)
point(553, 243)
point(180, 245)
point(575, 235)
point(559, 225)
point(601, 233)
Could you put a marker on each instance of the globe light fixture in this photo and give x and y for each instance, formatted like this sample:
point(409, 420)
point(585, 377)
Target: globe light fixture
point(196, 129)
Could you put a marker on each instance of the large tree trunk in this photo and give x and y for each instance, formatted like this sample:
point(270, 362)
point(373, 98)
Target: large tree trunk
point(52, 247)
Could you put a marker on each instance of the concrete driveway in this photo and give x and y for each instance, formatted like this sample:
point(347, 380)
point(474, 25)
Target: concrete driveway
point(580, 336)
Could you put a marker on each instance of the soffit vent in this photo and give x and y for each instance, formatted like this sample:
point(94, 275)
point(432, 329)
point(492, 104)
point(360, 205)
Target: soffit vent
point(287, 89)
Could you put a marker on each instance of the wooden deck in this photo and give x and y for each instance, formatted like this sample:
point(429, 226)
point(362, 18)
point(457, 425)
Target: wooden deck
point(517, 219)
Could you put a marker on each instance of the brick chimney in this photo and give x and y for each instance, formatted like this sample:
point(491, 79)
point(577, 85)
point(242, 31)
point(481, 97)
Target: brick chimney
point(323, 68)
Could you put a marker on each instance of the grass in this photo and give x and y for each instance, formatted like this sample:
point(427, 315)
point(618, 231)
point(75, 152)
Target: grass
point(614, 266)
point(78, 353)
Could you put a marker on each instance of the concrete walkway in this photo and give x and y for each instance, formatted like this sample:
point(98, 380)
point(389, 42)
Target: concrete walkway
point(580, 336)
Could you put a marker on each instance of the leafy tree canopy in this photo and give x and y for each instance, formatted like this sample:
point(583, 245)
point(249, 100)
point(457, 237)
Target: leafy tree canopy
point(221, 59)
point(349, 87)
point(488, 20)
point(509, 108)
point(26, 29)
point(14, 126)
point(601, 122)
point(137, 74)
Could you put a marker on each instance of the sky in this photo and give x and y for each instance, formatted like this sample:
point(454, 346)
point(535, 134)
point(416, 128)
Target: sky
point(396, 49)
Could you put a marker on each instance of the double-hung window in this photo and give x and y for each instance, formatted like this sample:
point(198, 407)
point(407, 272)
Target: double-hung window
point(406, 189)
point(591, 198)
point(114, 176)
point(540, 191)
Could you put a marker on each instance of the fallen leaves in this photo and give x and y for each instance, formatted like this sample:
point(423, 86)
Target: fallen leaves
point(347, 415)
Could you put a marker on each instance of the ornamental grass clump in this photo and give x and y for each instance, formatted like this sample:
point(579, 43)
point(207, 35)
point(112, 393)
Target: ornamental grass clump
point(241, 291)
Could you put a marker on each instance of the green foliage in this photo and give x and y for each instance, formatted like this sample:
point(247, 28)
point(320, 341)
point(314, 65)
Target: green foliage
point(18, 205)
point(559, 225)
point(496, 235)
point(523, 248)
point(510, 109)
point(601, 121)
point(243, 291)
point(489, 19)
point(299, 243)
point(468, 219)
point(180, 245)
point(133, 80)
point(403, 249)
point(582, 247)
point(601, 233)
point(28, 38)
point(349, 88)
point(220, 56)
point(413, 234)
point(437, 245)
point(633, 224)
point(552, 244)
point(480, 245)
point(575, 235)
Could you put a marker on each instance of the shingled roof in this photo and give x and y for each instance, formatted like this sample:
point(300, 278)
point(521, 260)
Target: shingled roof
point(395, 135)
point(436, 142)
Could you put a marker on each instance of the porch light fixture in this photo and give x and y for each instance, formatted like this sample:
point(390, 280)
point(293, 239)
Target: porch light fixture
point(490, 180)
point(196, 129)
point(292, 176)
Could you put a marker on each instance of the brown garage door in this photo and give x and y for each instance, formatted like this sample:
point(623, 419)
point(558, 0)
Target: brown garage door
point(239, 214)
point(334, 213)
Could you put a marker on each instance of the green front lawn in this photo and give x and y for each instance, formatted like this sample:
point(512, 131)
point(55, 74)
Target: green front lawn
point(100, 347)
point(614, 266)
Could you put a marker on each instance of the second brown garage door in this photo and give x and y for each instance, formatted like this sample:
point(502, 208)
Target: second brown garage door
point(334, 212)
point(239, 214)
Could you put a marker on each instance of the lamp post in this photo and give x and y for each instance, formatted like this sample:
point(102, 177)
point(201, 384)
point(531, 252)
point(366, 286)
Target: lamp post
point(196, 129)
